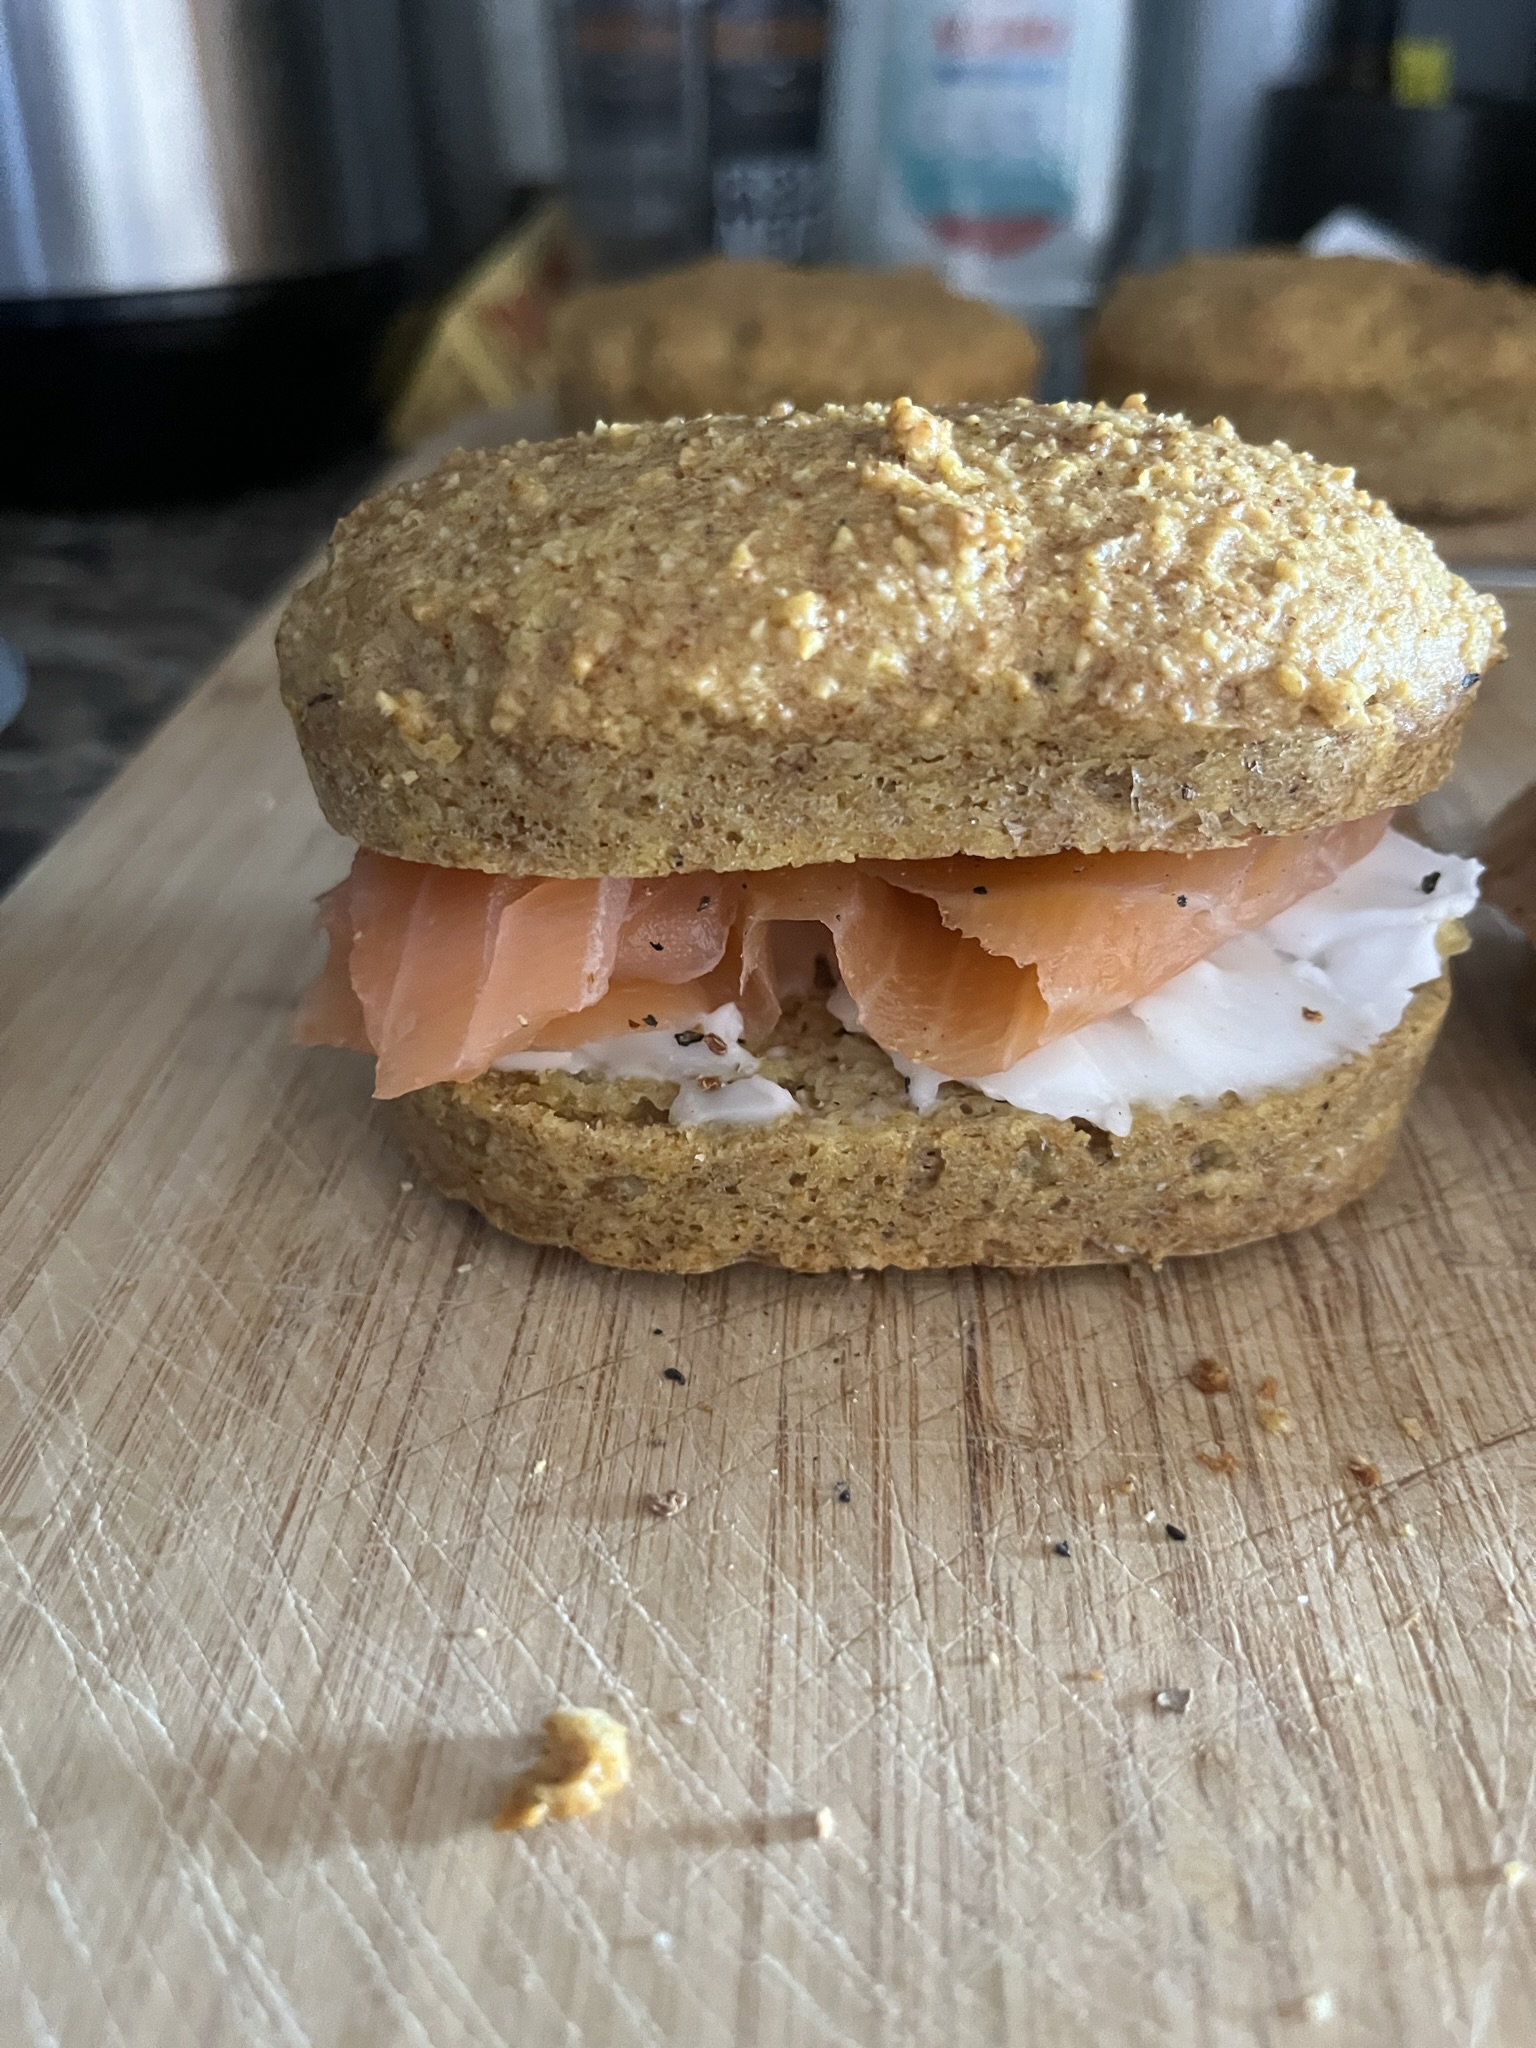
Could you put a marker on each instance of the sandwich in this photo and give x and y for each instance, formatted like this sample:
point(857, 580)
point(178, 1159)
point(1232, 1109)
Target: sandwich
point(1419, 377)
point(884, 836)
point(733, 336)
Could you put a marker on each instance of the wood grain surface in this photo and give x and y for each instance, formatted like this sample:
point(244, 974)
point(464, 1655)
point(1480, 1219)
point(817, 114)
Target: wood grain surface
point(315, 1496)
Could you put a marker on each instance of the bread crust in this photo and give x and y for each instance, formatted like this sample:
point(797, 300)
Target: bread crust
point(1419, 378)
point(859, 1179)
point(734, 643)
point(737, 337)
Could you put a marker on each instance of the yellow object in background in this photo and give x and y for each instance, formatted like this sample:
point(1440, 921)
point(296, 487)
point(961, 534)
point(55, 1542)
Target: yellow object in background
point(1423, 69)
point(489, 343)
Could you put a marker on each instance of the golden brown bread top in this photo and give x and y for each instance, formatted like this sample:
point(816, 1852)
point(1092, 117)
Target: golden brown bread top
point(731, 336)
point(874, 573)
point(1280, 320)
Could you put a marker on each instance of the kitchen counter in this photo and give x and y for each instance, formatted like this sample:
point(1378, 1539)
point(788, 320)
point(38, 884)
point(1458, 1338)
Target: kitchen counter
point(117, 615)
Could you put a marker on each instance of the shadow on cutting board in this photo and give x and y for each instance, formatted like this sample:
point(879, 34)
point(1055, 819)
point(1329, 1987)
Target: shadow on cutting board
point(279, 1799)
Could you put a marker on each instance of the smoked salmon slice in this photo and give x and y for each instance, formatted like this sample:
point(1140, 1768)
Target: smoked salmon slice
point(330, 1013)
point(964, 965)
point(1102, 929)
point(921, 990)
point(451, 968)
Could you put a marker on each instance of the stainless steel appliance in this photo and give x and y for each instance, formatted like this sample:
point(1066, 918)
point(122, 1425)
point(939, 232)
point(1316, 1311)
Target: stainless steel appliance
point(205, 207)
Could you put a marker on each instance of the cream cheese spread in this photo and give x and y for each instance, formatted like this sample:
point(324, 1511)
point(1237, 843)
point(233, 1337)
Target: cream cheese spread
point(1268, 1010)
point(718, 1081)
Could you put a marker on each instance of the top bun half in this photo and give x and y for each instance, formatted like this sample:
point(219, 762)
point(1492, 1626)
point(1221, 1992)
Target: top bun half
point(733, 643)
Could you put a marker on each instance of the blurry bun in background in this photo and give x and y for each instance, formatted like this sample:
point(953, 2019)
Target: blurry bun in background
point(739, 337)
point(1421, 379)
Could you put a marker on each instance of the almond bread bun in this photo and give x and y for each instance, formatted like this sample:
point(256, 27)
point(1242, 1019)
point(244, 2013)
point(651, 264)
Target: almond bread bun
point(1421, 379)
point(862, 1179)
point(731, 336)
point(873, 632)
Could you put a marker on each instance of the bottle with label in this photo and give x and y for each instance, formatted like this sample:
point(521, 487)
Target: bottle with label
point(633, 87)
point(992, 148)
point(765, 74)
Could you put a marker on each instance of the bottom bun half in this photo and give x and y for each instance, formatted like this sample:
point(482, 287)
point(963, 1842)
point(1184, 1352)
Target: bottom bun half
point(859, 1179)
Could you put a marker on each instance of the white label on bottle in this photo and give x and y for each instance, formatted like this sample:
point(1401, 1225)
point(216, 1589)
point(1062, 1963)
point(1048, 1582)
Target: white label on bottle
point(1000, 142)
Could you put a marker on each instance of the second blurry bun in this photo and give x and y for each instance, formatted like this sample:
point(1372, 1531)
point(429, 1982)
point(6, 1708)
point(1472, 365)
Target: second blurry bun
point(738, 337)
point(1421, 379)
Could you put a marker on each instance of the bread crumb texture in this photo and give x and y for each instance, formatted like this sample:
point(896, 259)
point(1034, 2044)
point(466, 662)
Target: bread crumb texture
point(732, 336)
point(585, 1761)
point(859, 1179)
point(1423, 378)
point(879, 631)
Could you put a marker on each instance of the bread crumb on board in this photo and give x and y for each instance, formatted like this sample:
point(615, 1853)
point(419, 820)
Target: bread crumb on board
point(1222, 1462)
point(1363, 1471)
point(585, 1761)
point(1210, 1376)
point(1272, 1416)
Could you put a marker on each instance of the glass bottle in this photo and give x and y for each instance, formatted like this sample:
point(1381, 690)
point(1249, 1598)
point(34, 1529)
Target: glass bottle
point(766, 60)
point(633, 89)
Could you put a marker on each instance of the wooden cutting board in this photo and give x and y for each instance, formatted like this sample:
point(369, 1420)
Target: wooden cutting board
point(315, 1496)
